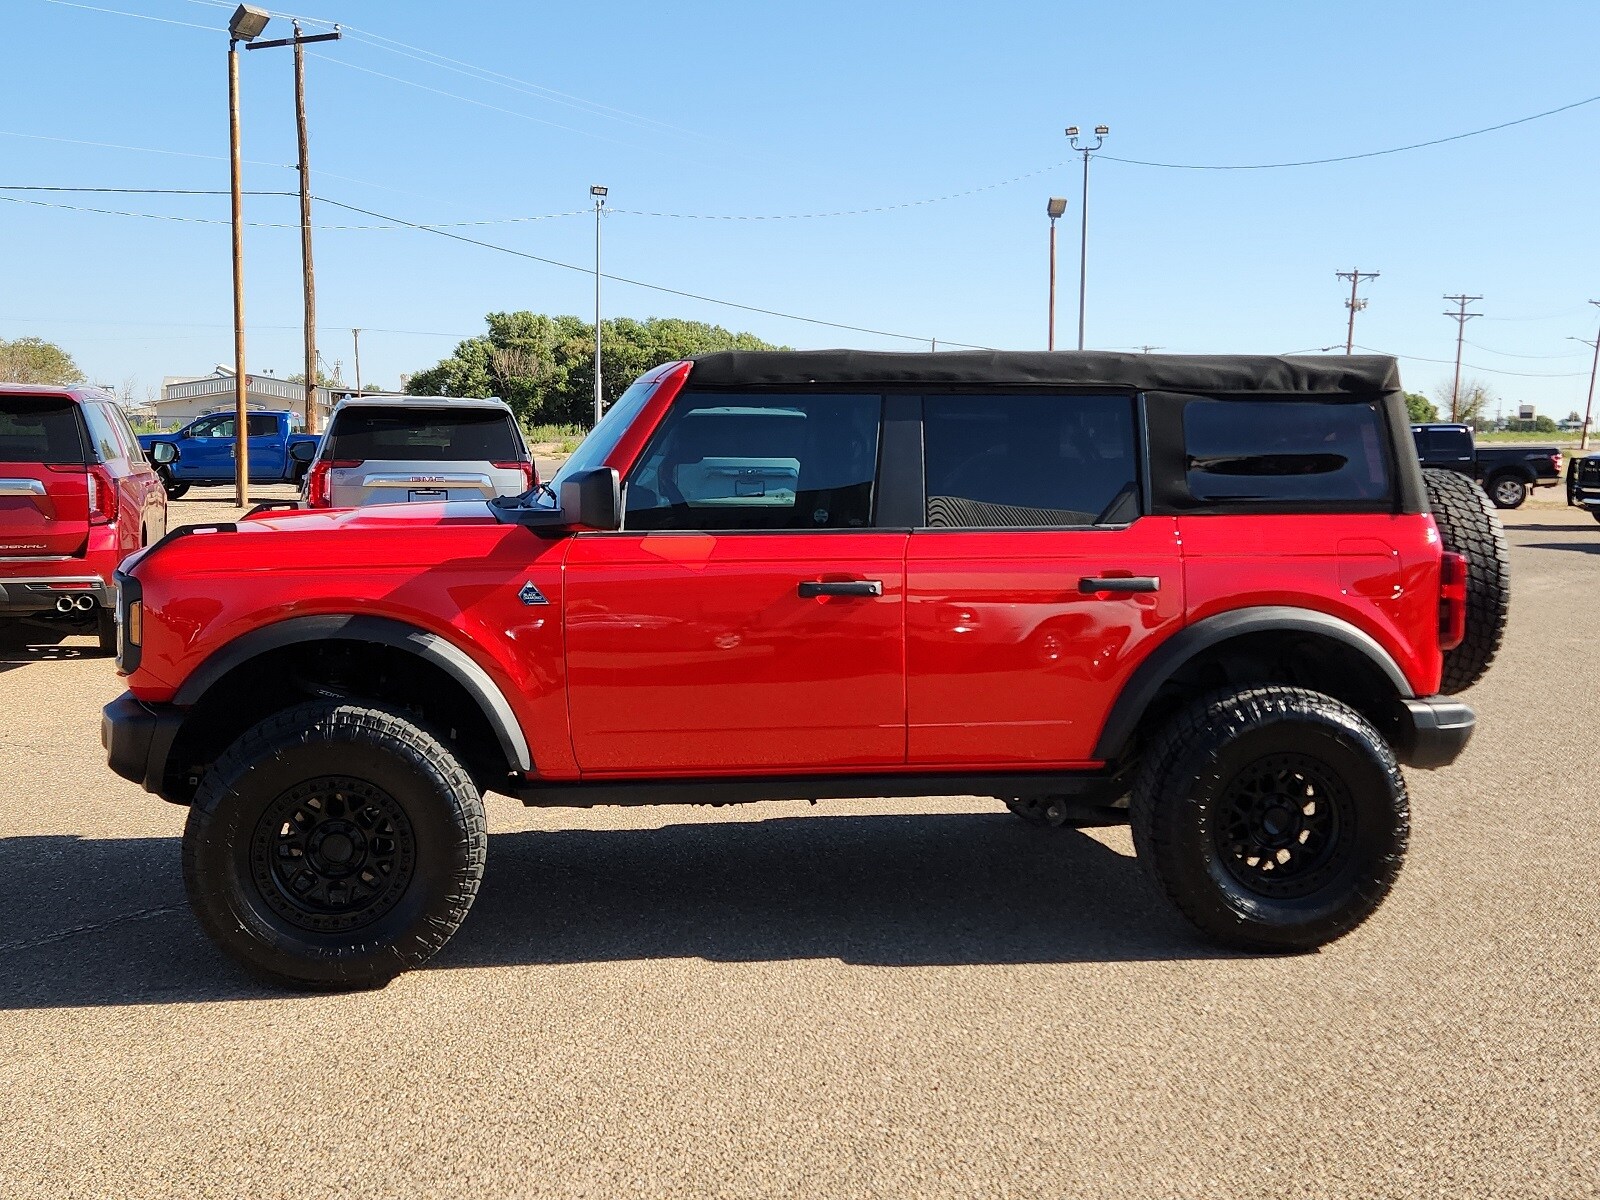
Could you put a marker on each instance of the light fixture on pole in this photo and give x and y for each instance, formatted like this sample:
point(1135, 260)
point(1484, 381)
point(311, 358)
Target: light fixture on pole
point(1100, 132)
point(599, 194)
point(1053, 209)
point(246, 24)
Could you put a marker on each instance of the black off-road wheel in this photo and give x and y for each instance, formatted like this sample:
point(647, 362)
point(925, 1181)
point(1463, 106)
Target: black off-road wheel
point(1507, 491)
point(334, 846)
point(1469, 527)
point(1274, 818)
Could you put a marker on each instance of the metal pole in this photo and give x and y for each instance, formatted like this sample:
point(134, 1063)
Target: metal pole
point(599, 203)
point(356, 334)
point(1052, 340)
point(1588, 408)
point(1350, 333)
point(305, 232)
point(1083, 249)
point(241, 403)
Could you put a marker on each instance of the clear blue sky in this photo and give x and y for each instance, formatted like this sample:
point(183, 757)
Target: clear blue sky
point(747, 109)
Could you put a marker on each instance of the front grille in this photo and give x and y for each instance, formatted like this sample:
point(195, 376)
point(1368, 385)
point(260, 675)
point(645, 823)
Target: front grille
point(1589, 471)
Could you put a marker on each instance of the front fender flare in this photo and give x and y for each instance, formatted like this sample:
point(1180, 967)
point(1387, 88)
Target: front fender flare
point(1170, 657)
point(429, 647)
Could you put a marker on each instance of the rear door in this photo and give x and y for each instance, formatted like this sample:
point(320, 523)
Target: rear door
point(267, 440)
point(44, 488)
point(749, 616)
point(1034, 585)
point(388, 454)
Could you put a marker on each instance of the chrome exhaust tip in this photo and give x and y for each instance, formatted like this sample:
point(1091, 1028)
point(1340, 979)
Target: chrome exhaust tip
point(84, 603)
point(63, 604)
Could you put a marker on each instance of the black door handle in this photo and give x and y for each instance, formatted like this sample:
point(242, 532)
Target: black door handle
point(843, 587)
point(1090, 584)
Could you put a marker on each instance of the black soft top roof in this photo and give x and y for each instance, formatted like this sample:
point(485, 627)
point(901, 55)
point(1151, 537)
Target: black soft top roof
point(1367, 377)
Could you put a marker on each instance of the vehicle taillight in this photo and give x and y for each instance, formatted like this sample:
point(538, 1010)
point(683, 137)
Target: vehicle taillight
point(529, 475)
point(1555, 461)
point(102, 496)
point(319, 488)
point(1452, 600)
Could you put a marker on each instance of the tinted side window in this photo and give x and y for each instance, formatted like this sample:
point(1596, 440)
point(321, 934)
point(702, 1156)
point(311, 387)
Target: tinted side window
point(1294, 450)
point(102, 435)
point(212, 427)
point(759, 462)
point(1029, 460)
point(1456, 442)
point(260, 425)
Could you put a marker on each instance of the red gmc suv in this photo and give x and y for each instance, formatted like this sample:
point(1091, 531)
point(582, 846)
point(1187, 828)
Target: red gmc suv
point(76, 497)
point(1213, 597)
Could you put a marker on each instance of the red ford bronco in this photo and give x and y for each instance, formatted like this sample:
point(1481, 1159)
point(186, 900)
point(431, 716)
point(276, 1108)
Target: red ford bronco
point(1214, 597)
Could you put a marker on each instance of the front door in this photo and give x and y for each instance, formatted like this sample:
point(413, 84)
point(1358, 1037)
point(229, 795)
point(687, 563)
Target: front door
point(1034, 585)
point(748, 617)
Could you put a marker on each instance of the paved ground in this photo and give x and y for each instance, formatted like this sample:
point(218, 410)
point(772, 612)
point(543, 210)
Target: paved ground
point(922, 998)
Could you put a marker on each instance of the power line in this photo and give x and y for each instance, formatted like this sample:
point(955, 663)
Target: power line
point(1317, 162)
point(1511, 354)
point(1474, 367)
point(117, 12)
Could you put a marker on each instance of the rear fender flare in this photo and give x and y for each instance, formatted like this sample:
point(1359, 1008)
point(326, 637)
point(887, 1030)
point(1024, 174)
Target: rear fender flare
point(1183, 647)
point(429, 647)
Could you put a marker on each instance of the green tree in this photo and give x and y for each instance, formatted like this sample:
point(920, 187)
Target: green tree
point(1422, 409)
point(34, 360)
point(543, 366)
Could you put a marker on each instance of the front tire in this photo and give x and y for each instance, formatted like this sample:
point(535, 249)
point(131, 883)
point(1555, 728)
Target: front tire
point(1274, 818)
point(334, 846)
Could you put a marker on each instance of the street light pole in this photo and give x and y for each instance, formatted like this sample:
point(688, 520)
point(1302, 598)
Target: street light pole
point(355, 335)
point(599, 194)
point(1100, 132)
point(1053, 208)
point(246, 23)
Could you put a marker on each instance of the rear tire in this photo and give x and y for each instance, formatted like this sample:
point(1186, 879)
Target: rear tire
point(334, 846)
point(1507, 491)
point(105, 630)
point(1469, 527)
point(174, 489)
point(1274, 818)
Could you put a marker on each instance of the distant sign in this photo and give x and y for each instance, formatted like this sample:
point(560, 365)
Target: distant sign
point(1525, 412)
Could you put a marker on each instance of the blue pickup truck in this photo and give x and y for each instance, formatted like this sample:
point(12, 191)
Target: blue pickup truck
point(203, 450)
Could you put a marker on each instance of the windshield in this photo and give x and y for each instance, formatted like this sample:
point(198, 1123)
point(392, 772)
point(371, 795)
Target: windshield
point(603, 438)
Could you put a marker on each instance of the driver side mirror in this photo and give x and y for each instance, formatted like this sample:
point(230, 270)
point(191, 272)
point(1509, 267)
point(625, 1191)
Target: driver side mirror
point(162, 453)
point(592, 499)
point(303, 452)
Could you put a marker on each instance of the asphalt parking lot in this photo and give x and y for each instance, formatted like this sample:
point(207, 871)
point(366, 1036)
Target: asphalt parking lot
point(907, 998)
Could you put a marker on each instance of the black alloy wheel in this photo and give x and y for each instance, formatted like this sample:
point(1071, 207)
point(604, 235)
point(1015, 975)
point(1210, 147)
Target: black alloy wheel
point(1284, 826)
point(333, 854)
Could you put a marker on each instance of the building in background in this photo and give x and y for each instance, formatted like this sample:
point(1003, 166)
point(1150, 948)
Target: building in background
point(184, 397)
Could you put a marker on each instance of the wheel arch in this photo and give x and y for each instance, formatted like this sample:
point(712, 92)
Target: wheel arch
point(1240, 632)
point(438, 654)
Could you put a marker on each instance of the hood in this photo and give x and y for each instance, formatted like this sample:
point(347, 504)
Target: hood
point(376, 516)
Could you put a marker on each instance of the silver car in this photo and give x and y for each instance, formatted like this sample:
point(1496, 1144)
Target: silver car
point(395, 449)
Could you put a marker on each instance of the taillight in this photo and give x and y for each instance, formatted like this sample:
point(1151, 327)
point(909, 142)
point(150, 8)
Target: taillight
point(529, 477)
point(1452, 600)
point(319, 488)
point(102, 496)
point(1555, 461)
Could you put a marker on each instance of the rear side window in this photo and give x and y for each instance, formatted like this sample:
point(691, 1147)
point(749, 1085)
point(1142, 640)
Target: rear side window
point(260, 425)
point(1284, 450)
point(39, 429)
point(1029, 461)
point(804, 461)
point(102, 433)
point(424, 435)
point(1449, 441)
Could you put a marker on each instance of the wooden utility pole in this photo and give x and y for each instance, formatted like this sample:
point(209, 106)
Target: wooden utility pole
point(1588, 409)
point(1461, 316)
point(305, 231)
point(241, 385)
point(356, 334)
point(1353, 304)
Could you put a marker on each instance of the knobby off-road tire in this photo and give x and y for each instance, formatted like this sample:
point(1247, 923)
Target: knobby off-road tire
point(1274, 818)
point(1468, 526)
point(334, 846)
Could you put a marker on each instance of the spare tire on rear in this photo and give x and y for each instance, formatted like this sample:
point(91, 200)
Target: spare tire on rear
point(1468, 526)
